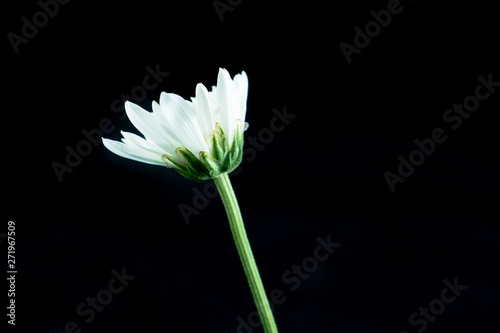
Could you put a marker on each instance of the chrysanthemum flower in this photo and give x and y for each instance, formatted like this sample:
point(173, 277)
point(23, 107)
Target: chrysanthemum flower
point(201, 138)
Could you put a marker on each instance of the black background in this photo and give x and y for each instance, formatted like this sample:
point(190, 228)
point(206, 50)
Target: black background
point(322, 175)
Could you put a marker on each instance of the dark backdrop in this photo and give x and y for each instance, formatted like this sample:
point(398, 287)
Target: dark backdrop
point(322, 178)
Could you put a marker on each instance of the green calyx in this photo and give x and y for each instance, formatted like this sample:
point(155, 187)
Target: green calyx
point(222, 158)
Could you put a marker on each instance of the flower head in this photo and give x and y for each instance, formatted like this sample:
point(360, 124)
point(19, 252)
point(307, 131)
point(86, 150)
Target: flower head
point(201, 138)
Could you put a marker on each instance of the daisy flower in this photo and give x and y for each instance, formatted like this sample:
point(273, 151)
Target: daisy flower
point(200, 138)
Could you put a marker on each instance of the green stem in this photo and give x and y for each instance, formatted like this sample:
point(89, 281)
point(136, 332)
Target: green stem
point(243, 245)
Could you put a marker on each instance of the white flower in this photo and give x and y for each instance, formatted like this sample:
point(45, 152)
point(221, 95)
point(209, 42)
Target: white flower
point(201, 138)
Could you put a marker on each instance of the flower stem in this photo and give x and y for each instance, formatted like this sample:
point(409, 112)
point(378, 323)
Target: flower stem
point(243, 245)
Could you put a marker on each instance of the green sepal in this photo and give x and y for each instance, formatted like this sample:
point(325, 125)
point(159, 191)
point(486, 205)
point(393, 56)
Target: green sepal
point(212, 164)
point(219, 144)
point(221, 159)
point(187, 164)
point(235, 154)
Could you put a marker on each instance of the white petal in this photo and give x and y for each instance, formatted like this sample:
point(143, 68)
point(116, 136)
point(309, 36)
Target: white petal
point(204, 110)
point(167, 131)
point(134, 141)
point(216, 111)
point(241, 83)
point(123, 150)
point(182, 119)
point(227, 102)
point(148, 125)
